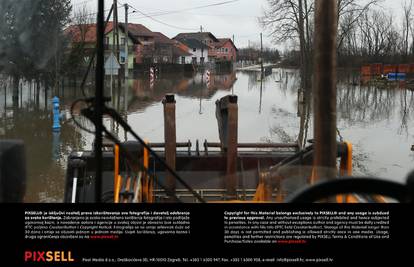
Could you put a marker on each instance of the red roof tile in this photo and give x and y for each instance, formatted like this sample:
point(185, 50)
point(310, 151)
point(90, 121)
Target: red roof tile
point(161, 38)
point(86, 32)
point(223, 41)
point(137, 30)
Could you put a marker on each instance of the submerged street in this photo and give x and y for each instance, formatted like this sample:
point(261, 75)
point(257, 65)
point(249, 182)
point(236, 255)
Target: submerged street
point(374, 118)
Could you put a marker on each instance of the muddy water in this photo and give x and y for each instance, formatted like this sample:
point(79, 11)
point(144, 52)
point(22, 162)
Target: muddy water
point(376, 118)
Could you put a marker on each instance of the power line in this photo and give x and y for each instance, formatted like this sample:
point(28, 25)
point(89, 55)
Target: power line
point(155, 14)
point(92, 14)
point(161, 22)
point(163, 13)
point(221, 15)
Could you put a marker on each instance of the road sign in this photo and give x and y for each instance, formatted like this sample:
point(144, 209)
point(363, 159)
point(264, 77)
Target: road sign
point(111, 65)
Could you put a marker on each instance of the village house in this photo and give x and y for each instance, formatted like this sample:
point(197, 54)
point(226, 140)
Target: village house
point(145, 40)
point(198, 52)
point(226, 50)
point(169, 51)
point(218, 49)
point(84, 36)
point(207, 38)
point(144, 46)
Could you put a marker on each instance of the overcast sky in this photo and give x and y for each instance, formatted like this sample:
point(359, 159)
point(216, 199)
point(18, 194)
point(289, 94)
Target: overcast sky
point(239, 17)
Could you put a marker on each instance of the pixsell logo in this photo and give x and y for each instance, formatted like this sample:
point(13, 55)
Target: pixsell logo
point(48, 256)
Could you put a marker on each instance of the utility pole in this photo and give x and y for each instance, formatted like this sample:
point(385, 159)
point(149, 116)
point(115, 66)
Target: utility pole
point(261, 54)
point(99, 101)
point(115, 34)
point(202, 45)
point(126, 66)
point(126, 43)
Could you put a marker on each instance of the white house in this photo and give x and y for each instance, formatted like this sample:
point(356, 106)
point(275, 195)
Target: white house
point(198, 51)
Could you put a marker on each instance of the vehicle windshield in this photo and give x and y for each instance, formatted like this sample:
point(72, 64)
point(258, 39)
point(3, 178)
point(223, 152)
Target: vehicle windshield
point(202, 52)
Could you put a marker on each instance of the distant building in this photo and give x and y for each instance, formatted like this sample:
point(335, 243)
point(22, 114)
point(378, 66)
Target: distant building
point(145, 40)
point(206, 38)
point(198, 52)
point(168, 51)
point(144, 46)
point(226, 50)
point(217, 49)
point(84, 36)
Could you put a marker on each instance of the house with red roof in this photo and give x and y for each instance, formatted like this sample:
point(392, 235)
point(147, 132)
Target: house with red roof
point(144, 46)
point(84, 36)
point(205, 47)
point(203, 53)
point(168, 50)
point(226, 50)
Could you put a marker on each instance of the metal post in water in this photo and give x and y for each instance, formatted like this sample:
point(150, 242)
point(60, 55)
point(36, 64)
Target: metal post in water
point(99, 99)
point(170, 139)
point(324, 91)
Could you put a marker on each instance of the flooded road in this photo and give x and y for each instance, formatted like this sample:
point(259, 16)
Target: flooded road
point(374, 117)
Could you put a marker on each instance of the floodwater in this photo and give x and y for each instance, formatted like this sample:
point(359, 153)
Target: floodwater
point(376, 118)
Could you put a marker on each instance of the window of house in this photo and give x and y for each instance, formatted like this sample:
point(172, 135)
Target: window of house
point(145, 39)
point(182, 60)
point(194, 49)
point(123, 41)
point(227, 50)
point(202, 60)
point(194, 60)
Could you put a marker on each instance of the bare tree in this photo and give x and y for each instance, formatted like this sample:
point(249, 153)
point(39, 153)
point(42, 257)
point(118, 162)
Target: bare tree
point(349, 12)
point(290, 20)
point(407, 27)
point(83, 20)
point(81, 23)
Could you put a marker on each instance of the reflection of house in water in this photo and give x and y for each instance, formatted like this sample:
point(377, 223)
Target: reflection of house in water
point(223, 82)
point(193, 87)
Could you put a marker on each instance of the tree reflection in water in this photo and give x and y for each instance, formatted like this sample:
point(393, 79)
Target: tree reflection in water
point(375, 107)
point(369, 115)
point(30, 119)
